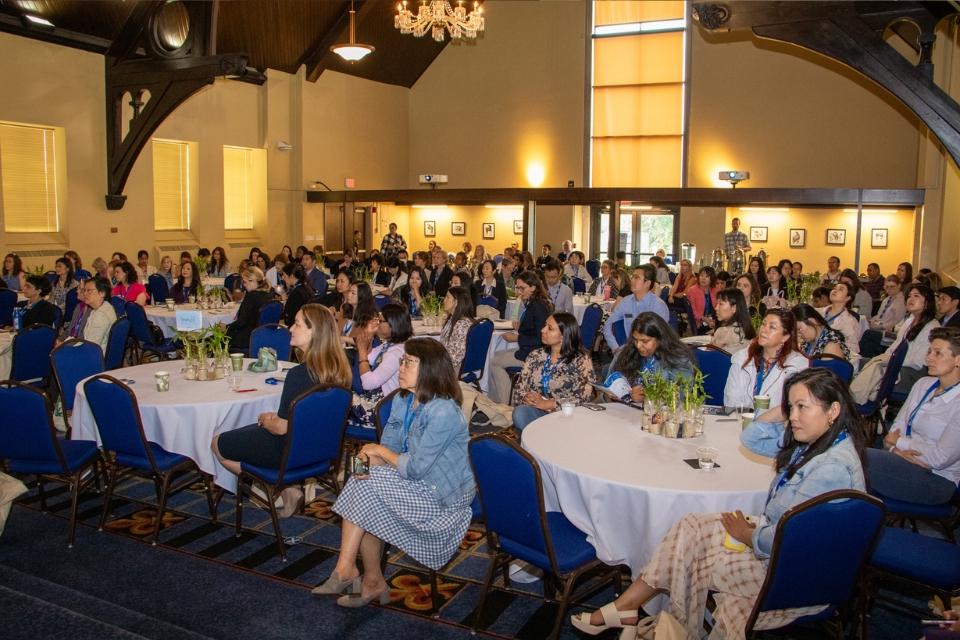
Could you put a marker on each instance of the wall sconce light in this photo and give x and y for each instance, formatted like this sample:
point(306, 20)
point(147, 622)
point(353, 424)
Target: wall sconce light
point(734, 177)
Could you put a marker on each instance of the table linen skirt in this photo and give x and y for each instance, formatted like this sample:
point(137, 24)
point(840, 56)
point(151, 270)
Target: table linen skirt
point(406, 514)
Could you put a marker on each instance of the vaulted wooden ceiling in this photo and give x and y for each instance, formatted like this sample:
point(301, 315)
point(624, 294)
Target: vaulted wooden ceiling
point(276, 34)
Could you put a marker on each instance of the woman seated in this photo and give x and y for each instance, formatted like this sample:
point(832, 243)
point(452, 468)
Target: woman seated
point(298, 290)
point(654, 348)
point(219, 266)
point(187, 283)
point(461, 315)
point(915, 329)
point(840, 318)
point(663, 271)
point(127, 286)
point(821, 451)
point(751, 293)
point(417, 495)
point(358, 310)
point(733, 328)
point(604, 286)
point(38, 310)
point(703, 300)
point(921, 463)
point(561, 371)
point(379, 366)
point(817, 338)
point(762, 368)
point(66, 280)
point(773, 293)
point(341, 289)
point(490, 285)
point(398, 274)
point(535, 306)
point(862, 301)
point(576, 268)
point(13, 274)
point(168, 271)
point(380, 275)
point(414, 291)
point(257, 294)
point(97, 315)
point(685, 279)
point(314, 335)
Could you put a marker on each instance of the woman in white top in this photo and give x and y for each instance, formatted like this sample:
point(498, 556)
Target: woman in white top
point(733, 328)
point(101, 316)
point(921, 463)
point(773, 293)
point(762, 368)
point(915, 329)
point(575, 268)
point(892, 309)
point(398, 276)
point(840, 318)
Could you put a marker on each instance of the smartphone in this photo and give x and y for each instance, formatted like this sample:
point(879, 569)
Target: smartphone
point(359, 466)
point(594, 407)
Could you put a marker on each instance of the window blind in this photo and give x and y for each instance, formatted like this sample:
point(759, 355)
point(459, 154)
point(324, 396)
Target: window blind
point(238, 188)
point(171, 185)
point(29, 178)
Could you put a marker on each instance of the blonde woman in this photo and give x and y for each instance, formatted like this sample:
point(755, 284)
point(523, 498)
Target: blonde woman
point(314, 334)
point(257, 293)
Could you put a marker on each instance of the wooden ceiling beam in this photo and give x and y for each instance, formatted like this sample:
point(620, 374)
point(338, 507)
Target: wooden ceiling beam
point(318, 56)
point(64, 37)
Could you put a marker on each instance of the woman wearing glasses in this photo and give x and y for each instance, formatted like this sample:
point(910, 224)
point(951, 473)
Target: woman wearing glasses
point(417, 495)
point(379, 365)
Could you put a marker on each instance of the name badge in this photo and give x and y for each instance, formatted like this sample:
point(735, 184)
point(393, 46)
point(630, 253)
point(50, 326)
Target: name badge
point(189, 320)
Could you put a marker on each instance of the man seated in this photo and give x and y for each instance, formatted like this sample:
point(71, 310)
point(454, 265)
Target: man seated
point(560, 294)
point(948, 299)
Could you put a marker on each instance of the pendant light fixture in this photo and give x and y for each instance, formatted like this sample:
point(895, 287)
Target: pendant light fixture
point(351, 52)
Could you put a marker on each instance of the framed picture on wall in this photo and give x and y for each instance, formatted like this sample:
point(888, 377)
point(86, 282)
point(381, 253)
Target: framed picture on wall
point(878, 238)
point(458, 228)
point(758, 234)
point(489, 231)
point(518, 227)
point(837, 237)
point(429, 228)
point(798, 238)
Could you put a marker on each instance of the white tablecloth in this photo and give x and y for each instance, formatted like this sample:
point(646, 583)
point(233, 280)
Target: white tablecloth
point(167, 320)
point(497, 343)
point(580, 305)
point(185, 419)
point(625, 488)
point(6, 354)
point(212, 281)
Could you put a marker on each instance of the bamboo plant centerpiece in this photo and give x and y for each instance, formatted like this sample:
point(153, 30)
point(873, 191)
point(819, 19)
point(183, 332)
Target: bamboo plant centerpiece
point(674, 408)
point(206, 353)
point(432, 308)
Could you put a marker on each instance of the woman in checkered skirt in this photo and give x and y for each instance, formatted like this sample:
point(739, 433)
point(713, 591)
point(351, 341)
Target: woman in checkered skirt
point(821, 451)
point(417, 495)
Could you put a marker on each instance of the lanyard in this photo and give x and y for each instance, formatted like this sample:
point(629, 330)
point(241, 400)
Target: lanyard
point(347, 326)
point(830, 319)
point(916, 409)
point(414, 307)
point(576, 271)
point(546, 374)
point(555, 294)
point(523, 311)
point(408, 419)
point(886, 305)
point(762, 373)
point(796, 456)
point(379, 359)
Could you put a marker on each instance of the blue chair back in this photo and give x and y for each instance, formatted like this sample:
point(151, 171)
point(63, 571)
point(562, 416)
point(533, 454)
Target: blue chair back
point(839, 366)
point(356, 385)
point(673, 277)
point(117, 414)
point(715, 365)
point(619, 332)
point(497, 259)
point(511, 491)
point(381, 300)
point(27, 431)
point(57, 317)
point(889, 379)
point(8, 300)
point(117, 343)
point(271, 335)
point(73, 298)
point(138, 324)
point(382, 413)
point(579, 285)
point(157, 288)
point(674, 320)
point(51, 277)
point(270, 313)
point(119, 305)
point(315, 429)
point(593, 268)
point(73, 361)
point(31, 353)
point(590, 324)
point(230, 281)
point(819, 550)
point(475, 356)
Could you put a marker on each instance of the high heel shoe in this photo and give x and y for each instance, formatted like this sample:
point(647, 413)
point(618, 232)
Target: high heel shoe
point(612, 619)
point(336, 585)
point(356, 600)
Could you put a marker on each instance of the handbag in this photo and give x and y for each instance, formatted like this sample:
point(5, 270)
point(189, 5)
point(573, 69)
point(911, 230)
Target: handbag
point(266, 360)
point(662, 626)
point(865, 385)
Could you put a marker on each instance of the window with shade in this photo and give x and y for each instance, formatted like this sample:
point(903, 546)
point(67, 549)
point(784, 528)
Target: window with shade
point(244, 186)
point(171, 185)
point(637, 120)
point(29, 177)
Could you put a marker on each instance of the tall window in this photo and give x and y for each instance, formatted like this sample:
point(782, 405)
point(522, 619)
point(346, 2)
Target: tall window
point(637, 122)
point(171, 185)
point(28, 167)
point(244, 186)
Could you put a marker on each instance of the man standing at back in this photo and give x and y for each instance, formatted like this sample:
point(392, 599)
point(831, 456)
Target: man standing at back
point(392, 243)
point(735, 239)
point(642, 281)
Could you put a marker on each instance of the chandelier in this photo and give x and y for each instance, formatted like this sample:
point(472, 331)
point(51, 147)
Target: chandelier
point(435, 15)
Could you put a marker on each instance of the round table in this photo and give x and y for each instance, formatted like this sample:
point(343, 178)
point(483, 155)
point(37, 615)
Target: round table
point(185, 419)
point(625, 488)
point(167, 319)
point(580, 305)
point(6, 354)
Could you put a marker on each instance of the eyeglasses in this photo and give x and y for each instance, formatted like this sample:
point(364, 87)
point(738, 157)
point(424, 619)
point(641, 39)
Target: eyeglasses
point(409, 362)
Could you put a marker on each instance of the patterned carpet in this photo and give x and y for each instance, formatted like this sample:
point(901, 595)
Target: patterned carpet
point(515, 612)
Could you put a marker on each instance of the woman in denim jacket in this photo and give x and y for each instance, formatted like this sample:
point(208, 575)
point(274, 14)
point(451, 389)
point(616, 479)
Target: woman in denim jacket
point(820, 452)
point(417, 495)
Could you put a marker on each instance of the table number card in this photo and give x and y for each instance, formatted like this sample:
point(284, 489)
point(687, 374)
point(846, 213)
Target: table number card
point(189, 320)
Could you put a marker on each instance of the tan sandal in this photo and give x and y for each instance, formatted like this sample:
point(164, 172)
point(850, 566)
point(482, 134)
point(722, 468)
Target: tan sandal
point(612, 619)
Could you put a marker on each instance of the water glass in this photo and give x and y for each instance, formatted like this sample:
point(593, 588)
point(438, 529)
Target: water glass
point(171, 303)
point(236, 361)
point(235, 380)
point(162, 379)
point(566, 408)
point(761, 403)
point(707, 457)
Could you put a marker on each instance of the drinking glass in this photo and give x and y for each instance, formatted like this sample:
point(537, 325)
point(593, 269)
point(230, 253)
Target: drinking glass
point(707, 457)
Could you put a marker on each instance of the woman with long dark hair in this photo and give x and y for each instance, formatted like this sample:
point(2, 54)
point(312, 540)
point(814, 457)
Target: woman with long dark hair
point(187, 282)
point(816, 337)
point(751, 293)
point(841, 318)
point(379, 366)
point(418, 492)
point(298, 290)
point(921, 319)
point(458, 305)
point(905, 273)
point(64, 283)
point(219, 266)
point(774, 291)
point(414, 291)
point(357, 311)
point(561, 371)
point(702, 297)
point(862, 301)
point(734, 328)
point(762, 368)
point(127, 286)
point(653, 347)
point(490, 284)
point(341, 288)
point(818, 441)
point(758, 270)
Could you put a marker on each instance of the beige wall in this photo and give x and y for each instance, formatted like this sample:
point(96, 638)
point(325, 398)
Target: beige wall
point(704, 227)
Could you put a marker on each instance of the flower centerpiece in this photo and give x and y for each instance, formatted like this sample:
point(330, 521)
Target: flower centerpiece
point(206, 353)
point(432, 308)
